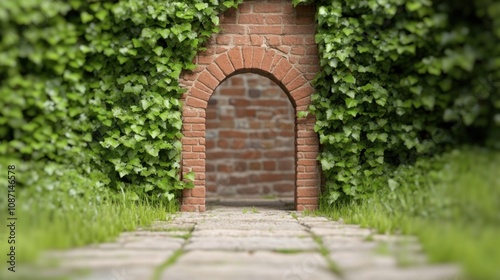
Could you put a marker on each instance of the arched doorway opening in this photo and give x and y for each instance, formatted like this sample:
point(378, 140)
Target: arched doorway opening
point(250, 143)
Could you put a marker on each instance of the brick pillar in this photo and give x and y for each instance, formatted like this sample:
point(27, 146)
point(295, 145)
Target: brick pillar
point(267, 37)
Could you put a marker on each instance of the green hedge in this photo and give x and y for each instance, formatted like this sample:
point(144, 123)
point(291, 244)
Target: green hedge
point(95, 84)
point(399, 80)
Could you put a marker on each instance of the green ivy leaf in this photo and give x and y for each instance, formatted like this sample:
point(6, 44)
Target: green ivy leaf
point(152, 150)
point(190, 176)
point(349, 102)
point(349, 79)
point(392, 184)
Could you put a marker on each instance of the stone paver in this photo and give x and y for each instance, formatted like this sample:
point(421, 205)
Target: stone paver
point(252, 243)
point(261, 242)
point(245, 265)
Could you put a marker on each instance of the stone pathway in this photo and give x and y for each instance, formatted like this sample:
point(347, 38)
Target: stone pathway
point(261, 242)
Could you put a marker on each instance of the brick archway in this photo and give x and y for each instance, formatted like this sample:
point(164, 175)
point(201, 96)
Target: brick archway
point(291, 64)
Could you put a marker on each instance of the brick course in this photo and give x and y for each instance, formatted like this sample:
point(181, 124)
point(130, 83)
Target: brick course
point(273, 39)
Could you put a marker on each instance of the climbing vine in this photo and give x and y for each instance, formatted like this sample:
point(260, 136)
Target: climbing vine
point(95, 84)
point(401, 79)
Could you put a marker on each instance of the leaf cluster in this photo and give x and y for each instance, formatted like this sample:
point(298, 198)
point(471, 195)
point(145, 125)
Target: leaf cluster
point(401, 80)
point(95, 84)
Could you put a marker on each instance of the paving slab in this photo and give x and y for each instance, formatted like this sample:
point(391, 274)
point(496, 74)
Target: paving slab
point(82, 258)
point(255, 257)
point(248, 233)
point(117, 273)
point(441, 272)
point(348, 243)
point(324, 224)
point(223, 265)
point(222, 223)
point(360, 259)
point(251, 243)
point(221, 272)
point(361, 232)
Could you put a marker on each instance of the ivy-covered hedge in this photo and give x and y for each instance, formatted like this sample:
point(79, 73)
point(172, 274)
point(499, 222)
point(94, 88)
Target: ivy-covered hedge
point(95, 84)
point(401, 79)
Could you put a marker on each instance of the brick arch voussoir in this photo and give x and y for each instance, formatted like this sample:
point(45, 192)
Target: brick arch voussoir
point(266, 62)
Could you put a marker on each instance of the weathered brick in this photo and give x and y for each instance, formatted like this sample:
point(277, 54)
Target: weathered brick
point(198, 148)
point(193, 133)
point(208, 79)
point(273, 19)
point(268, 60)
point(196, 103)
point(302, 92)
point(241, 40)
point(307, 192)
point(304, 102)
point(186, 207)
point(194, 162)
point(251, 19)
point(194, 200)
point(256, 40)
point(225, 65)
point(275, 61)
point(216, 71)
point(307, 176)
point(229, 16)
point(247, 56)
point(236, 58)
point(298, 29)
point(258, 55)
point(224, 39)
point(194, 120)
point(296, 40)
point(233, 29)
point(195, 92)
point(190, 141)
point(307, 200)
point(299, 81)
point(245, 8)
point(264, 29)
point(273, 40)
point(190, 155)
point(282, 68)
point(268, 8)
point(198, 127)
point(306, 162)
point(307, 182)
point(304, 148)
point(300, 50)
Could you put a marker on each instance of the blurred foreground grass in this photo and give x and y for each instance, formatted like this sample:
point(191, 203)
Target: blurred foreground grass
point(65, 209)
point(451, 202)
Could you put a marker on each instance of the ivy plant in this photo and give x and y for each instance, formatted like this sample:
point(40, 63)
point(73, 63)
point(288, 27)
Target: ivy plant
point(400, 80)
point(95, 84)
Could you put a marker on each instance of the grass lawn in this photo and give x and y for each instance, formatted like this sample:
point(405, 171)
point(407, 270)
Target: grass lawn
point(64, 211)
point(452, 203)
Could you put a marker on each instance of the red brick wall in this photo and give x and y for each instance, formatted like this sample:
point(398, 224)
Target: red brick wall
point(250, 139)
point(276, 40)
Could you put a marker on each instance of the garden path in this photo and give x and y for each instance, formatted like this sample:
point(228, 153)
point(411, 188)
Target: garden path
point(258, 241)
